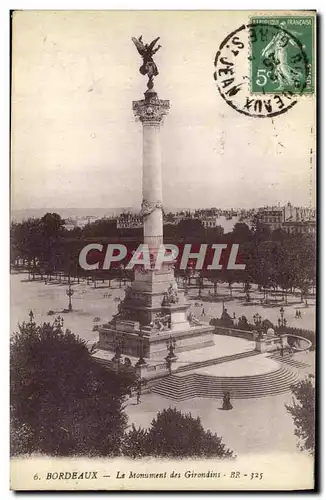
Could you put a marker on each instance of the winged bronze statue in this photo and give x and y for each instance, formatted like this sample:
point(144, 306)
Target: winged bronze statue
point(147, 51)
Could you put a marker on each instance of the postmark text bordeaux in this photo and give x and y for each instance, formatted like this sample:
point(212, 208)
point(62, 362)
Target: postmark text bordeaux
point(262, 68)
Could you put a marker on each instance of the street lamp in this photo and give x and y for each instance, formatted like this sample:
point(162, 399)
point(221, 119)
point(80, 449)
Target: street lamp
point(282, 321)
point(140, 382)
point(70, 292)
point(31, 317)
point(185, 286)
point(258, 322)
point(170, 344)
point(141, 360)
point(118, 345)
point(257, 319)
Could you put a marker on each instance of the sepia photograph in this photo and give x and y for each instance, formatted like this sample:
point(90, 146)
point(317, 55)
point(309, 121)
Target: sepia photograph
point(163, 250)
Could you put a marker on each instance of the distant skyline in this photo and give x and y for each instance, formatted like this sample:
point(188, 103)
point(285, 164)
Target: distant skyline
point(75, 142)
point(99, 212)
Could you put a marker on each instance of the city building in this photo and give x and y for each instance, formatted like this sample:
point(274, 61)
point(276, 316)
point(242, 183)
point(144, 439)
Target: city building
point(129, 221)
point(209, 222)
point(289, 218)
point(271, 217)
point(299, 227)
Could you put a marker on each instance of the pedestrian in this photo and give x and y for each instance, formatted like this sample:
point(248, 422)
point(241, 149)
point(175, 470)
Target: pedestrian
point(226, 401)
point(203, 311)
point(138, 396)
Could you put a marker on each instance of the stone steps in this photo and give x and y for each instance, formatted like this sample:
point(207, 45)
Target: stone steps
point(288, 360)
point(200, 385)
point(215, 361)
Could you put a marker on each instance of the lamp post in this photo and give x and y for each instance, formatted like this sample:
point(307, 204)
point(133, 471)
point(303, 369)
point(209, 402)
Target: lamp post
point(141, 360)
point(31, 317)
point(118, 345)
point(170, 344)
point(258, 322)
point(140, 382)
point(69, 292)
point(282, 322)
point(185, 286)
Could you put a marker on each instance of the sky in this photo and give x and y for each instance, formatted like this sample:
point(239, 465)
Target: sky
point(76, 144)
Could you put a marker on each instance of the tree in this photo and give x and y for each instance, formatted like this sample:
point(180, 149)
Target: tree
point(101, 228)
point(191, 230)
point(262, 232)
point(52, 224)
point(200, 283)
point(174, 434)
point(284, 262)
point(241, 233)
point(214, 276)
point(26, 239)
point(302, 411)
point(136, 443)
point(52, 252)
point(260, 265)
point(63, 402)
point(304, 262)
point(214, 234)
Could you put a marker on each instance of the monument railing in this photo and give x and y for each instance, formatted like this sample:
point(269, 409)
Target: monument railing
point(249, 335)
point(233, 332)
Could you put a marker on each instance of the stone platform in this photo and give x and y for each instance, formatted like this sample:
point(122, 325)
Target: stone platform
point(222, 350)
point(154, 345)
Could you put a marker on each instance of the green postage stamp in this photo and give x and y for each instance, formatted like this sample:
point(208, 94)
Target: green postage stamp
point(282, 54)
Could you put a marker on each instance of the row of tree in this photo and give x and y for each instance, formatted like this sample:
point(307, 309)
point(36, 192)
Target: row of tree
point(286, 265)
point(273, 259)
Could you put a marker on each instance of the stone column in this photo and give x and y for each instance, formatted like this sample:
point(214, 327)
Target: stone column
point(151, 111)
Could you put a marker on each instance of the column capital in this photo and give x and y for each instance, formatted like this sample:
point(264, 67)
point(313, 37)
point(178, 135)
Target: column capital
point(151, 110)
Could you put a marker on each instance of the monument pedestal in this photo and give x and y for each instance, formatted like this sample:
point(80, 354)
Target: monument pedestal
point(154, 311)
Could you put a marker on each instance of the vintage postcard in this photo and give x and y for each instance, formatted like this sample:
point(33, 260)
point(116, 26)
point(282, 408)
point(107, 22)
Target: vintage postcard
point(163, 250)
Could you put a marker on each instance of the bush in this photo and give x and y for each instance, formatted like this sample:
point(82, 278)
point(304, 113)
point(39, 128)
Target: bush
point(175, 435)
point(243, 324)
point(302, 411)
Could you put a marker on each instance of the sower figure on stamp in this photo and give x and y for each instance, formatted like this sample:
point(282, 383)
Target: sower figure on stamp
point(277, 53)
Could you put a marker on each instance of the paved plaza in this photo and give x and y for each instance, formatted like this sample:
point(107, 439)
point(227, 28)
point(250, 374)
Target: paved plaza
point(101, 302)
point(252, 426)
